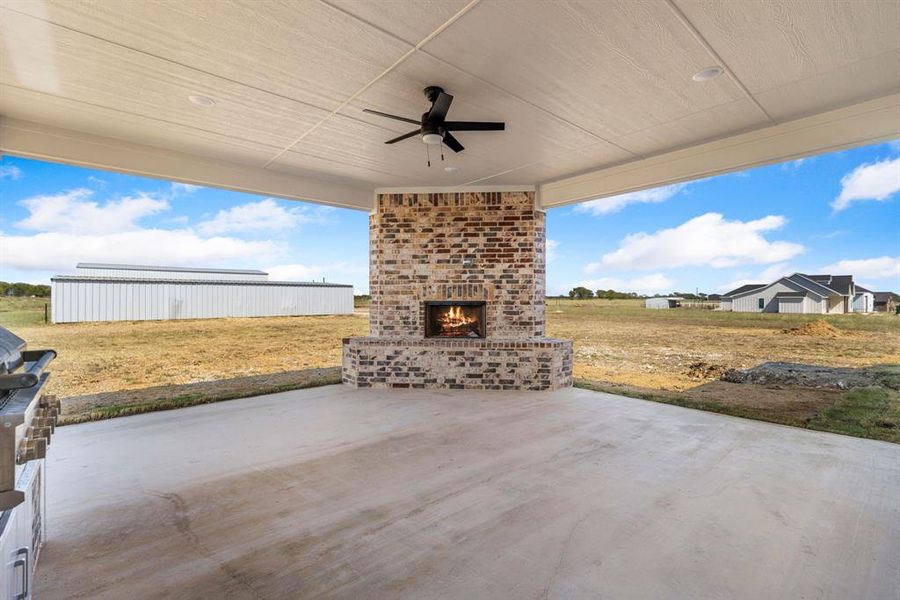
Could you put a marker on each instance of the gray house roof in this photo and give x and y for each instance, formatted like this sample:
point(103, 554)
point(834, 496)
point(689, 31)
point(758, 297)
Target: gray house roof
point(792, 281)
point(744, 289)
point(808, 284)
point(839, 283)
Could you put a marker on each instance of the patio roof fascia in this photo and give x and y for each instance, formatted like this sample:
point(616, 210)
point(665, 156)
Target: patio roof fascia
point(856, 125)
point(43, 142)
point(848, 127)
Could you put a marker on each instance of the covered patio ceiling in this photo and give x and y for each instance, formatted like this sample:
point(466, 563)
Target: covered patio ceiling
point(598, 96)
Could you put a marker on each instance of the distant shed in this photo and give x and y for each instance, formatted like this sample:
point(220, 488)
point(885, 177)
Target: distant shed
point(108, 292)
point(660, 303)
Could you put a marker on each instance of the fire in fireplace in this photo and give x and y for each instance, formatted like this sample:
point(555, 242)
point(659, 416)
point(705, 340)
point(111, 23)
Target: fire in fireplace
point(455, 319)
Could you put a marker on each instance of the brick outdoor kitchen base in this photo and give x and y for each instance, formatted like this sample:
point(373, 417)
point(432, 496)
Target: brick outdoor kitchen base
point(482, 252)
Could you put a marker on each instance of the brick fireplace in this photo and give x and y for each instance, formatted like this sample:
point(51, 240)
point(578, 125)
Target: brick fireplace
point(457, 285)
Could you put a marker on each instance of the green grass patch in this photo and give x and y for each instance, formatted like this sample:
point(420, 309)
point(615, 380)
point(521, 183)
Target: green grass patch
point(865, 412)
point(22, 312)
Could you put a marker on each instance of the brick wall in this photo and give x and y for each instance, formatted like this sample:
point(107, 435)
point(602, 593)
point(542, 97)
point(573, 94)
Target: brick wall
point(461, 246)
point(538, 364)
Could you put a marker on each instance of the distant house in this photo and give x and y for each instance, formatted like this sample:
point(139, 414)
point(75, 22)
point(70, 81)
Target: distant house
point(800, 293)
point(884, 302)
point(658, 303)
point(714, 298)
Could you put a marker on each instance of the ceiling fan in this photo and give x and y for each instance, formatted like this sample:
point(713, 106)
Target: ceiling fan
point(433, 127)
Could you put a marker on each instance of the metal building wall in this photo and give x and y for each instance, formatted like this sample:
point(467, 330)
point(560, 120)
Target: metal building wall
point(75, 299)
point(657, 303)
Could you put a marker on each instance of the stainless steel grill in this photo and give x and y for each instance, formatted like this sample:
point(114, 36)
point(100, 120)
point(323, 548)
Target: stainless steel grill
point(27, 418)
point(27, 421)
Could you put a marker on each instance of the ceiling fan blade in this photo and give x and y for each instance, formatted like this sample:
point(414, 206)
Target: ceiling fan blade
point(473, 126)
point(403, 137)
point(395, 117)
point(440, 107)
point(452, 143)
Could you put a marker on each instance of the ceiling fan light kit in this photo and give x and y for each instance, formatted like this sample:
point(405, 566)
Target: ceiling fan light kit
point(434, 129)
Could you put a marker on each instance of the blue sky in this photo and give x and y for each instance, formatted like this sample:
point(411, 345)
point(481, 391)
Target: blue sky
point(837, 212)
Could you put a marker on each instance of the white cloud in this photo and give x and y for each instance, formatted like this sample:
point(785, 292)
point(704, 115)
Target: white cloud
point(59, 251)
point(74, 212)
point(829, 235)
point(71, 227)
point(874, 181)
point(265, 215)
point(793, 165)
point(883, 267)
point(651, 284)
point(183, 188)
point(552, 245)
point(10, 172)
point(776, 271)
point(707, 240)
point(767, 275)
point(603, 206)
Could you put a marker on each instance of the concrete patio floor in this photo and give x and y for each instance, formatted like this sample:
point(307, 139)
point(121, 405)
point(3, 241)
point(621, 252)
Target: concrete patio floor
point(332, 492)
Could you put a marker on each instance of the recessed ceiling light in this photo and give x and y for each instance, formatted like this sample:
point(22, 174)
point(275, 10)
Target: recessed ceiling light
point(451, 169)
point(708, 73)
point(201, 100)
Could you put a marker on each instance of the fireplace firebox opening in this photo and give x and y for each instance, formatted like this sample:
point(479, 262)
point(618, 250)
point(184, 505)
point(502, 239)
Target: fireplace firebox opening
point(455, 319)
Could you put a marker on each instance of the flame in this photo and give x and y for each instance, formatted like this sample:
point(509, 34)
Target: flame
point(454, 318)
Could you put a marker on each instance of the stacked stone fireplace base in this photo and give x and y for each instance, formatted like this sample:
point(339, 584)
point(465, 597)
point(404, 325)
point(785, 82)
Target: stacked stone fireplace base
point(482, 364)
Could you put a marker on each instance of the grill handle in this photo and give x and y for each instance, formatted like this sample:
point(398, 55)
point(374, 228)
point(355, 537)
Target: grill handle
point(24, 564)
point(27, 379)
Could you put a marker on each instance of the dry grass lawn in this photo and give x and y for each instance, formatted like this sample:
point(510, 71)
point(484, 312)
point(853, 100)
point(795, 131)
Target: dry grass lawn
point(622, 342)
point(105, 357)
point(615, 341)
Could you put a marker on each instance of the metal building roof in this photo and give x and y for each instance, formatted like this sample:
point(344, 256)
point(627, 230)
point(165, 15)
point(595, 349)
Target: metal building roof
point(100, 279)
point(163, 268)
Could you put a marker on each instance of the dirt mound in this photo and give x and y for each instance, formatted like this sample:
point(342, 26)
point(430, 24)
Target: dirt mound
point(820, 328)
point(705, 370)
point(781, 374)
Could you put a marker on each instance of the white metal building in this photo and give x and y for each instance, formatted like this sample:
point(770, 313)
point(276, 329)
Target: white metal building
point(662, 303)
point(109, 292)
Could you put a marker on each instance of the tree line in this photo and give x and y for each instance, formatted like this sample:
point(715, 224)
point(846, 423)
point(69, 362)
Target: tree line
point(20, 289)
point(583, 293)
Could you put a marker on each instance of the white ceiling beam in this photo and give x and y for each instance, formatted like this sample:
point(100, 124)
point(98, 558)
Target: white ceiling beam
point(848, 127)
point(42, 142)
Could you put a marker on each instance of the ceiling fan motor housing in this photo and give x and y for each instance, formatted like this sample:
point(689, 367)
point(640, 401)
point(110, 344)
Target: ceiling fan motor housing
point(433, 126)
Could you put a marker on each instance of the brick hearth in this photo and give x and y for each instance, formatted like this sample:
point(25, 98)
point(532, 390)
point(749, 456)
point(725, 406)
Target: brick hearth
point(457, 246)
